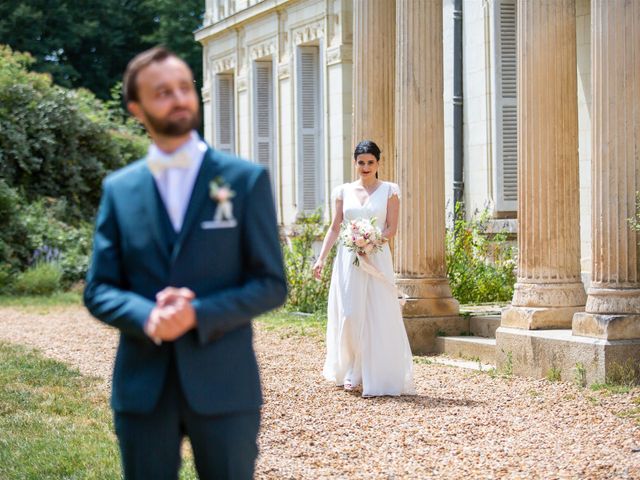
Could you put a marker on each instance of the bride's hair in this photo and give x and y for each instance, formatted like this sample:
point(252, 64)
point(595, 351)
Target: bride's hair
point(367, 146)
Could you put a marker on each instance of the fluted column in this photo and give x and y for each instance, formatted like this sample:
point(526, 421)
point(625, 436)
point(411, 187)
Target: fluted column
point(419, 127)
point(613, 304)
point(549, 289)
point(373, 78)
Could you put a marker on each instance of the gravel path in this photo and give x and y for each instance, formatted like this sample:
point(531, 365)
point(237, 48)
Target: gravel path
point(461, 424)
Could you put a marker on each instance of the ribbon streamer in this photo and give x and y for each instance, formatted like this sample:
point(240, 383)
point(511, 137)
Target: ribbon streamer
point(369, 268)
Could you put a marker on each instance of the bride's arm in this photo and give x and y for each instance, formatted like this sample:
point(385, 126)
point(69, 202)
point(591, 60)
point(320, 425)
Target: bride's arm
point(329, 239)
point(393, 211)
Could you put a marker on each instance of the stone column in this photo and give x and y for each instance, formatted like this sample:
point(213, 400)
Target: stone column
point(419, 126)
point(613, 304)
point(374, 32)
point(549, 289)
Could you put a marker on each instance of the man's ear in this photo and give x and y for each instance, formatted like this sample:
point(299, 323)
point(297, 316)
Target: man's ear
point(136, 111)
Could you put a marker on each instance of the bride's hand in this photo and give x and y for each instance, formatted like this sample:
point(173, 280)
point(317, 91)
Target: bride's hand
point(317, 269)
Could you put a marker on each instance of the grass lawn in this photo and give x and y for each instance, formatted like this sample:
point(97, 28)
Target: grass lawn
point(57, 299)
point(54, 422)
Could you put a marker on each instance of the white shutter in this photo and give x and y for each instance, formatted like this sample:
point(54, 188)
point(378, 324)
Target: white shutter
point(506, 145)
point(309, 153)
point(224, 112)
point(263, 118)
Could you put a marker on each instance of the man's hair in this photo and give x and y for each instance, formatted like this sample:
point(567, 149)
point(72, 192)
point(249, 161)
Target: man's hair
point(137, 63)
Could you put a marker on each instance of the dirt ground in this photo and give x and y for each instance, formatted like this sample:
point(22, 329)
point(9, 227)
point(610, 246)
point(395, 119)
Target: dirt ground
point(462, 423)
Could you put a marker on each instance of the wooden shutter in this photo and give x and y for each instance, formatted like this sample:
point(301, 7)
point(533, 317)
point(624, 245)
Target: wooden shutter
point(224, 112)
point(263, 117)
point(309, 154)
point(506, 145)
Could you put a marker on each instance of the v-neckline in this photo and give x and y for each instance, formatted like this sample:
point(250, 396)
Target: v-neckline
point(369, 195)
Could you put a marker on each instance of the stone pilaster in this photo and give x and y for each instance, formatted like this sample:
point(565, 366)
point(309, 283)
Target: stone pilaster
point(419, 126)
point(613, 303)
point(549, 289)
point(373, 78)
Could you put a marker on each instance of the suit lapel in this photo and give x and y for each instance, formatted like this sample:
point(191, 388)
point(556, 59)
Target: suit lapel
point(199, 196)
point(155, 210)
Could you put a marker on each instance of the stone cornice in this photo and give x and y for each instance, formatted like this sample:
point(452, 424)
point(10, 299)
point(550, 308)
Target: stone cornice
point(222, 64)
point(208, 32)
point(308, 32)
point(263, 49)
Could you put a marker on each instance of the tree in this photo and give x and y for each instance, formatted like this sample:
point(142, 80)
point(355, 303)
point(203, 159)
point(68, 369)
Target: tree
point(87, 43)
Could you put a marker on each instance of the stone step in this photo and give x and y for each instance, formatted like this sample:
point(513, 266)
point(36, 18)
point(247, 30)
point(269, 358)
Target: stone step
point(484, 325)
point(478, 349)
point(443, 359)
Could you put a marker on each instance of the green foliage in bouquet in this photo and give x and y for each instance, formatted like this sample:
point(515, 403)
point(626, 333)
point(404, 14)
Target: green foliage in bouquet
point(306, 294)
point(481, 267)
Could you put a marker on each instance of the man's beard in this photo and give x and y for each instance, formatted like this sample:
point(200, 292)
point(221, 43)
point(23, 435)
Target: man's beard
point(173, 128)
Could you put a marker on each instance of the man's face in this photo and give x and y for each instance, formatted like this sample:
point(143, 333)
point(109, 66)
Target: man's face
point(167, 101)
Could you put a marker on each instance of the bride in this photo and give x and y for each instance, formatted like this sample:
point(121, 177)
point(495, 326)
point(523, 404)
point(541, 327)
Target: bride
point(367, 344)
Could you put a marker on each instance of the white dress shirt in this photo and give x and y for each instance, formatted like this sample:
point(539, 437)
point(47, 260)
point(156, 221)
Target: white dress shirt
point(176, 184)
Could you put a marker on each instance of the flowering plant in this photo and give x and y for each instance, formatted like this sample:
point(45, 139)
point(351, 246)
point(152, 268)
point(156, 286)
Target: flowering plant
point(362, 237)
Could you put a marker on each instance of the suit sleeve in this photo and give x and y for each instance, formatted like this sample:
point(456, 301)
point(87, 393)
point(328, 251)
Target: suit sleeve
point(265, 285)
point(106, 295)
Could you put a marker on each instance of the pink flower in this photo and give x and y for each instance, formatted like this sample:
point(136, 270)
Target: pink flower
point(223, 194)
point(361, 242)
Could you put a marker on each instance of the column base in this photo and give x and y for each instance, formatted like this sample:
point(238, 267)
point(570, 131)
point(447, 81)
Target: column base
point(604, 301)
point(423, 331)
point(541, 353)
point(428, 298)
point(608, 327)
point(538, 318)
point(566, 294)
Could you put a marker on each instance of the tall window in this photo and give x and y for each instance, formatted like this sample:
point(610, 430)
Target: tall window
point(263, 118)
point(309, 130)
point(505, 106)
point(224, 113)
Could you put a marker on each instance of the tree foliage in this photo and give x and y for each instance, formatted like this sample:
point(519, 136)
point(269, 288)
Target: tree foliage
point(87, 43)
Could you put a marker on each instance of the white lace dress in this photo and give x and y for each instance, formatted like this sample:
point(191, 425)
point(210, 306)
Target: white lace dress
point(366, 340)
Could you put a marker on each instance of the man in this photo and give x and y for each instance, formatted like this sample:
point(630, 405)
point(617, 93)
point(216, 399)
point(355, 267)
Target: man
point(186, 253)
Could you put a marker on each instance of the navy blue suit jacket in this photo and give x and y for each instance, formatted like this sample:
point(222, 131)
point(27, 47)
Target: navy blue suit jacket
point(236, 274)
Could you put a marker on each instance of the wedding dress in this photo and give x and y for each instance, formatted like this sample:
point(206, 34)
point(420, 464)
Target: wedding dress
point(366, 341)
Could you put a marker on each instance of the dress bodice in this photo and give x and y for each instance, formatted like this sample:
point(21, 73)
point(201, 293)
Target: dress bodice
point(374, 206)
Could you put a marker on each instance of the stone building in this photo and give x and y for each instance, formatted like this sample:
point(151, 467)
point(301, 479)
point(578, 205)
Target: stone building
point(529, 108)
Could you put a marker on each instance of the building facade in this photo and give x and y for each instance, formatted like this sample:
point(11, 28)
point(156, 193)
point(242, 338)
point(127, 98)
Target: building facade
point(538, 122)
point(277, 91)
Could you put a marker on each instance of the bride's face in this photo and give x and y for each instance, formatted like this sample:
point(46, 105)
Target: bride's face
point(366, 166)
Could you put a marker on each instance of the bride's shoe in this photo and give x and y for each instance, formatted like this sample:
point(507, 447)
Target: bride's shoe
point(348, 387)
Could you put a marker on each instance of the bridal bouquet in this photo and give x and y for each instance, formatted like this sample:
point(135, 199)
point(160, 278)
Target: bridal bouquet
point(361, 236)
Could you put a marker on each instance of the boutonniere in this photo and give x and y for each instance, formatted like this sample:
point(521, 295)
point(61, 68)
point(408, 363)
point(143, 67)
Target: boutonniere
point(221, 193)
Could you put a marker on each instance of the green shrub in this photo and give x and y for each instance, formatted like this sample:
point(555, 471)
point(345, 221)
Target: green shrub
point(56, 142)
point(480, 267)
point(306, 294)
point(44, 278)
point(45, 228)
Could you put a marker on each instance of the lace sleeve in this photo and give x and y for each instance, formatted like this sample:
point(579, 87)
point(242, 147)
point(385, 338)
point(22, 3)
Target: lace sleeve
point(336, 194)
point(394, 190)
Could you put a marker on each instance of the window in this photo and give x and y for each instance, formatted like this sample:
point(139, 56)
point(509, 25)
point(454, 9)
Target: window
point(263, 118)
point(309, 131)
point(505, 106)
point(224, 113)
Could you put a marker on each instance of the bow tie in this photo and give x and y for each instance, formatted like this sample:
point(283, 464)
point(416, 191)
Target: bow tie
point(158, 164)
